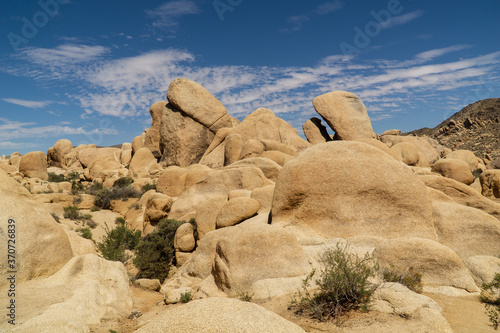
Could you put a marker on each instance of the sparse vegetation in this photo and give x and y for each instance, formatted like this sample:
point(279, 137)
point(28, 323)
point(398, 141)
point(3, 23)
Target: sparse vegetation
point(245, 296)
point(343, 286)
point(155, 252)
point(86, 233)
point(91, 223)
point(148, 187)
point(55, 216)
point(136, 206)
point(123, 182)
point(76, 187)
point(117, 241)
point(77, 199)
point(120, 190)
point(55, 178)
point(186, 297)
point(72, 213)
point(408, 278)
point(490, 296)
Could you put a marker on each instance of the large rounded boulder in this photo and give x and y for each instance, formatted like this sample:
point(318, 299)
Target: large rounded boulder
point(346, 188)
point(34, 165)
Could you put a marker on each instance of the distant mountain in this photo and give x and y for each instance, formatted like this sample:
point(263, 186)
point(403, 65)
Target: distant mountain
point(476, 127)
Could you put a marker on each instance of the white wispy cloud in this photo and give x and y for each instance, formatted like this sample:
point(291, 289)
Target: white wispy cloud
point(328, 7)
point(11, 130)
point(127, 87)
point(26, 103)
point(64, 54)
point(296, 22)
point(166, 16)
point(15, 145)
point(403, 19)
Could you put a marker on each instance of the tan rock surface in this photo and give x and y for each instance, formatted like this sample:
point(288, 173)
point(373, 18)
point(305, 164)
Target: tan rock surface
point(438, 264)
point(220, 315)
point(142, 161)
point(152, 134)
point(183, 141)
point(41, 244)
point(34, 165)
point(455, 169)
point(315, 131)
point(198, 103)
point(462, 194)
point(206, 214)
point(467, 231)
point(216, 183)
point(345, 114)
point(237, 210)
point(337, 190)
point(56, 154)
point(87, 290)
point(490, 183)
point(184, 240)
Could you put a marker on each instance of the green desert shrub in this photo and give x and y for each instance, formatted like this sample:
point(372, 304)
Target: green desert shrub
point(408, 278)
point(148, 187)
point(490, 296)
point(123, 182)
point(86, 233)
point(155, 252)
point(55, 178)
point(72, 213)
point(103, 196)
point(118, 240)
point(186, 297)
point(342, 285)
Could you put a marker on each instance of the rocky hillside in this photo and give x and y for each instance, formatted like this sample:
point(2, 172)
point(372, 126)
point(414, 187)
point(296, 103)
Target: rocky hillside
point(248, 210)
point(476, 128)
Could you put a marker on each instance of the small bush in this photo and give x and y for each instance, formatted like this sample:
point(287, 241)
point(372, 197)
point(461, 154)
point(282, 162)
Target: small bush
point(77, 199)
point(120, 220)
point(343, 286)
point(86, 233)
point(54, 215)
point(73, 176)
point(104, 196)
point(94, 188)
point(72, 213)
point(155, 252)
point(245, 296)
point(407, 278)
point(123, 182)
point(490, 296)
point(76, 187)
point(117, 241)
point(186, 297)
point(148, 187)
point(91, 223)
point(55, 178)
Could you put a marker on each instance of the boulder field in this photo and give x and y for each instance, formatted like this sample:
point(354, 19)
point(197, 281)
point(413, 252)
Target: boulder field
point(266, 204)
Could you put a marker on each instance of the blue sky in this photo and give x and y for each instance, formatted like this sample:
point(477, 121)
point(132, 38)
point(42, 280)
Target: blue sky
point(88, 70)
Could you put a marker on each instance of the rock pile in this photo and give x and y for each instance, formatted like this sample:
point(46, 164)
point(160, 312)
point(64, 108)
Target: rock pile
point(265, 203)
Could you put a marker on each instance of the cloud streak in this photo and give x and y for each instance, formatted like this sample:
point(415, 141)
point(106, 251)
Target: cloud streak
point(166, 16)
point(127, 87)
point(11, 130)
point(28, 104)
